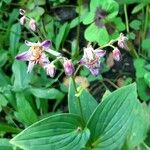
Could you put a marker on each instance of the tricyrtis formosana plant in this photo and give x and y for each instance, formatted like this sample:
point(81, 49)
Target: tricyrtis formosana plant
point(112, 124)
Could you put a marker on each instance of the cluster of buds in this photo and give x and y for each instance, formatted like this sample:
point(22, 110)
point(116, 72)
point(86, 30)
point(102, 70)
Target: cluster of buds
point(122, 43)
point(24, 19)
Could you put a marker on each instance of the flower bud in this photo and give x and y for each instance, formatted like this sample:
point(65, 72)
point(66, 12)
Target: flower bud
point(50, 69)
point(116, 54)
point(22, 20)
point(32, 24)
point(122, 41)
point(68, 67)
point(22, 12)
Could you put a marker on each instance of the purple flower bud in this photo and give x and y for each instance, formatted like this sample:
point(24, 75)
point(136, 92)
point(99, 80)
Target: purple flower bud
point(22, 12)
point(122, 41)
point(68, 67)
point(22, 20)
point(50, 69)
point(32, 25)
point(116, 54)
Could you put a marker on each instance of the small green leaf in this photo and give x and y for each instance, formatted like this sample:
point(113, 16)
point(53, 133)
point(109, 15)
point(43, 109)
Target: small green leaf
point(145, 44)
point(58, 132)
point(51, 93)
point(143, 89)
point(88, 103)
point(112, 118)
point(15, 33)
point(3, 101)
point(135, 24)
point(25, 113)
point(137, 8)
point(147, 79)
point(139, 66)
point(62, 34)
point(22, 78)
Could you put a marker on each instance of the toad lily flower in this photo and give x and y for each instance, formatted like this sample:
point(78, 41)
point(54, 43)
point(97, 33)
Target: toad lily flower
point(91, 59)
point(35, 54)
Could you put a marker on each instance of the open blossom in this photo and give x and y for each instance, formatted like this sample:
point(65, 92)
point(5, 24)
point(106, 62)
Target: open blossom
point(116, 54)
point(68, 67)
point(91, 59)
point(35, 54)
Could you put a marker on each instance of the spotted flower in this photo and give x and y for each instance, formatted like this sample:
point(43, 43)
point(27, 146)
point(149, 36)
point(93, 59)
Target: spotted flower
point(91, 59)
point(35, 54)
point(68, 67)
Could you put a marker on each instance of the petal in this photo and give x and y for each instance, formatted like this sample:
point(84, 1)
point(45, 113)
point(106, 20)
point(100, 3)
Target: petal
point(46, 44)
point(44, 59)
point(30, 66)
point(57, 54)
point(28, 43)
point(100, 53)
point(25, 56)
point(94, 71)
point(82, 61)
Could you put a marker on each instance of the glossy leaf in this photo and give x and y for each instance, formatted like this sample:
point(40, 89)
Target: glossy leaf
point(59, 132)
point(5, 145)
point(112, 118)
point(88, 103)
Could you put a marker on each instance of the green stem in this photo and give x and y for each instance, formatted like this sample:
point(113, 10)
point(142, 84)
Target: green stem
point(126, 18)
point(78, 99)
point(146, 22)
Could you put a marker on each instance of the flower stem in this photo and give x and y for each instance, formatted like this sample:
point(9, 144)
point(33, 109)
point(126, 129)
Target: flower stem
point(126, 18)
point(78, 98)
point(146, 22)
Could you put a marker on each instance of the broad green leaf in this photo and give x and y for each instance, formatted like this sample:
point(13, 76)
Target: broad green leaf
point(15, 33)
point(62, 34)
point(21, 77)
point(139, 127)
point(96, 34)
point(112, 118)
point(58, 132)
point(88, 103)
point(5, 145)
point(51, 93)
point(25, 113)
